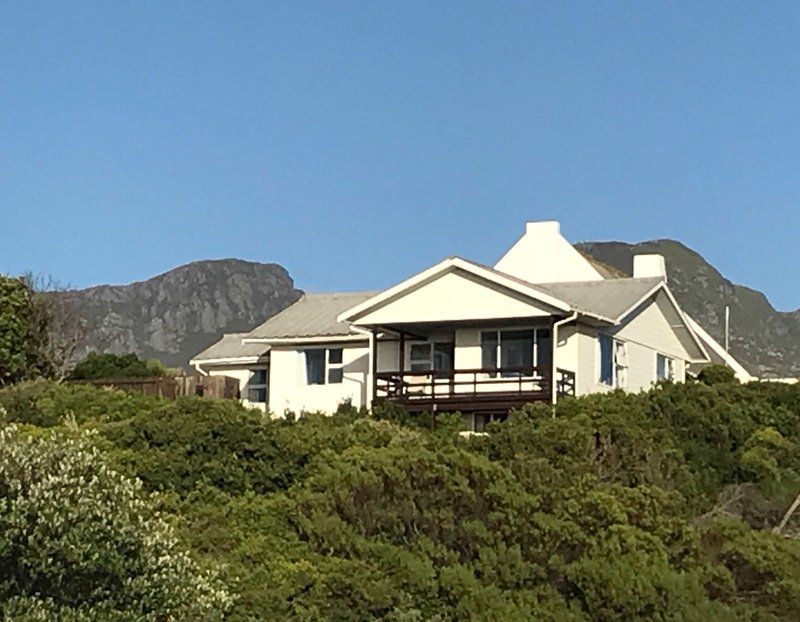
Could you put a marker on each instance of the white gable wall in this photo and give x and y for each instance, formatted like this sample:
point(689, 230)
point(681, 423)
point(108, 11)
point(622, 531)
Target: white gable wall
point(454, 296)
point(646, 334)
point(543, 255)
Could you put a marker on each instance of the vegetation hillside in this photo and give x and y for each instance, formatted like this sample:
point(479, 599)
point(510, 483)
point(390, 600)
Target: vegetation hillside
point(659, 506)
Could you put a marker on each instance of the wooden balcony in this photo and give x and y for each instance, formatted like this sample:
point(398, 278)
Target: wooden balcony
point(470, 390)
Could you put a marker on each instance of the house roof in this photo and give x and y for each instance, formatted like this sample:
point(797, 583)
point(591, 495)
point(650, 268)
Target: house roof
point(443, 267)
point(230, 346)
point(717, 353)
point(314, 315)
point(606, 271)
point(610, 299)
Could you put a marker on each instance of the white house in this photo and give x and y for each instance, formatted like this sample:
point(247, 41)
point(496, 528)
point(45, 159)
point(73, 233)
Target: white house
point(544, 322)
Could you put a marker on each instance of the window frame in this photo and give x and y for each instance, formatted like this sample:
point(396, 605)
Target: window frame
point(670, 367)
point(258, 386)
point(498, 355)
point(430, 359)
point(619, 361)
point(328, 366)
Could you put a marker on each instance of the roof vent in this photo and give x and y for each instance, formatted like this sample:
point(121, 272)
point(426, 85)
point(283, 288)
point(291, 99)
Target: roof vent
point(649, 267)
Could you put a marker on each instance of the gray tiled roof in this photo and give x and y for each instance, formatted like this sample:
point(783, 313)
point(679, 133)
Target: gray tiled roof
point(231, 346)
point(608, 299)
point(314, 315)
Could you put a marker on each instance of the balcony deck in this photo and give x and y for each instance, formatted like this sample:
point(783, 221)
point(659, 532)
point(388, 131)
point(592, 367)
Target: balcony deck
point(470, 390)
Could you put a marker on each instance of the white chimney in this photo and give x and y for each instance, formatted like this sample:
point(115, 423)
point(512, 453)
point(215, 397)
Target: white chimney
point(543, 228)
point(543, 255)
point(649, 267)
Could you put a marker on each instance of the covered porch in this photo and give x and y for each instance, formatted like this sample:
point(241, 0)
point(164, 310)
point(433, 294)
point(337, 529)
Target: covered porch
point(485, 367)
point(463, 337)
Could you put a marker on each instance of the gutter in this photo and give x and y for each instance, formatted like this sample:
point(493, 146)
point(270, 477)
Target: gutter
point(554, 372)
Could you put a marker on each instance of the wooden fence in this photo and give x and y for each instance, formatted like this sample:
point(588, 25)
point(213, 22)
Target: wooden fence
point(222, 387)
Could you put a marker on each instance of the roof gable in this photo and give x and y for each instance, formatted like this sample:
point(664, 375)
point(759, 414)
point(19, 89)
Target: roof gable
point(453, 290)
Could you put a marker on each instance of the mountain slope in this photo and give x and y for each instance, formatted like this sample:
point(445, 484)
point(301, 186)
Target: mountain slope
point(177, 314)
point(763, 339)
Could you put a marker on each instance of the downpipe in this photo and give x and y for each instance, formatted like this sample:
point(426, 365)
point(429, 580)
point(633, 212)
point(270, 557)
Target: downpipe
point(554, 371)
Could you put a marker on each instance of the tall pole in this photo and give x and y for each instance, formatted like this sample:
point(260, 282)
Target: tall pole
point(727, 329)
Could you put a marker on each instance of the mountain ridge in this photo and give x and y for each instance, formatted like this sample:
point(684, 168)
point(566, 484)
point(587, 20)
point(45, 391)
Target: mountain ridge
point(176, 314)
point(764, 339)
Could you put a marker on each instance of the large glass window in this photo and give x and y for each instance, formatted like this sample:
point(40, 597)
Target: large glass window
point(521, 349)
point(665, 368)
point(606, 345)
point(437, 356)
point(613, 355)
point(257, 386)
point(324, 364)
point(516, 350)
point(315, 366)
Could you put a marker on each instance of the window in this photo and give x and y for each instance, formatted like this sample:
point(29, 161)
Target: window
point(420, 357)
point(324, 364)
point(613, 361)
point(606, 344)
point(665, 368)
point(478, 422)
point(257, 387)
point(438, 355)
point(516, 349)
point(335, 366)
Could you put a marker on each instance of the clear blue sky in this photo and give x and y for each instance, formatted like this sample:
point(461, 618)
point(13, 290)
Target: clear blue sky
point(357, 143)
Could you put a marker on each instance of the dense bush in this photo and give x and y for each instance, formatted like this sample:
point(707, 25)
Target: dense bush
point(79, 541)
point(98, 366)
point(717, 374)
point(659, 506)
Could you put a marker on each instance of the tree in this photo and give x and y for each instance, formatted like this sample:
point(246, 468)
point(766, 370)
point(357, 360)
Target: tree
point(39, 329)
point(56, 316)
point(79, 541)
point(23, 333)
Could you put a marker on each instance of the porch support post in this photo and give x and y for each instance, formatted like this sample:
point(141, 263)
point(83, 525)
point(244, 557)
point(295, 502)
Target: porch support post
point(553, 362)
point(401, 353)
point(374, 363)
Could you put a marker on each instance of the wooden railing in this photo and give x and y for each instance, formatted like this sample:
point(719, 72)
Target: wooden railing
point(472, 388)
point(565, 382)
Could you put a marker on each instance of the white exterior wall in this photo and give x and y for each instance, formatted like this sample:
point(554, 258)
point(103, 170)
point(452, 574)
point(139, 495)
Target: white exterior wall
point(567, 348)
point(289, 392)
point(646, 335)
point(242, 373)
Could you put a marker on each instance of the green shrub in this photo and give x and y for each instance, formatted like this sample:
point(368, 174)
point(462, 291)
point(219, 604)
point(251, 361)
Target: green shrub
point(620, 507)
point(717, 374)
point(78, 541)
point(102, 366)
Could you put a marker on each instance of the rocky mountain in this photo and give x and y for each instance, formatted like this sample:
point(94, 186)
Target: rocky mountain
point(177, 314)
point(764, 340)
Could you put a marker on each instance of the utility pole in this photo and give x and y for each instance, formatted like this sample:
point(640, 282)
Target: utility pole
point(727, 329)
